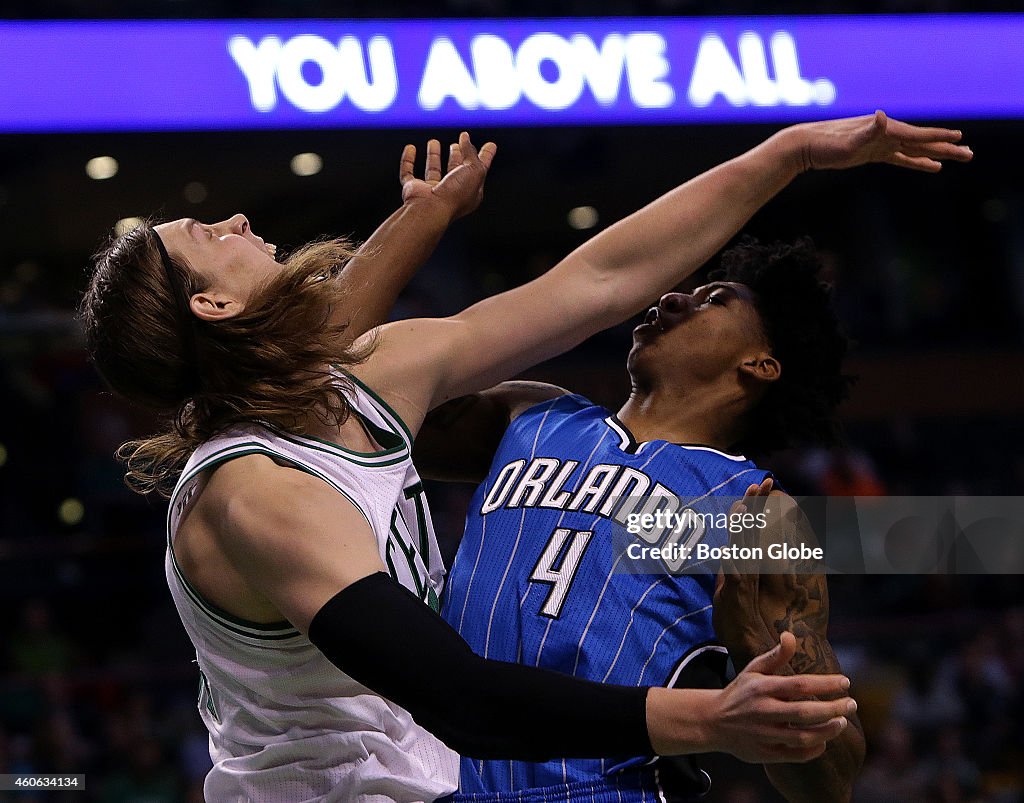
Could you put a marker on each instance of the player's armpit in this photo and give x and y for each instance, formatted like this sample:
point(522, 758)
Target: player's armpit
point(295, 540)
point(458, 440)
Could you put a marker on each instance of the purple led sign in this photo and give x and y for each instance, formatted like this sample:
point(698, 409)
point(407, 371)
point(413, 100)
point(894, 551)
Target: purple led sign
point(208, 75)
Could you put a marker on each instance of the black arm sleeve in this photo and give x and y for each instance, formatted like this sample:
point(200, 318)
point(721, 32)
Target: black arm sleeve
point(383, 636)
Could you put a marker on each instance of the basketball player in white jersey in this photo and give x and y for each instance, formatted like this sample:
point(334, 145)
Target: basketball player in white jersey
point(299, 543)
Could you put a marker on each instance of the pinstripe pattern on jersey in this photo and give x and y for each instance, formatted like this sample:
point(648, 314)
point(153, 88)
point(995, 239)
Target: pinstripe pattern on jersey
point(614, 626)
point(515, 547)
point(644, 786)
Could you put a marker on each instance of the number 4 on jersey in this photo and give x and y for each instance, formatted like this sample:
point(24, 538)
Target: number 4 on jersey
point(557, 566)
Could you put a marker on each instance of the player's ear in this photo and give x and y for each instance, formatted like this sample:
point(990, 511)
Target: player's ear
point(761, 367)
point(213, 306)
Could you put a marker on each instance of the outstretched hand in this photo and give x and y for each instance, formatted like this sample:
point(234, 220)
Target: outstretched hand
point(853, 141)
point(461, 187)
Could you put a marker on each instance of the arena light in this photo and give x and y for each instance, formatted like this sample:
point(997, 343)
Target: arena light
point(70, 76)
point(583, 217)
point(71, 511)
point(195, 192)
point(307, 164)
point(125, 225)
point(100, 168)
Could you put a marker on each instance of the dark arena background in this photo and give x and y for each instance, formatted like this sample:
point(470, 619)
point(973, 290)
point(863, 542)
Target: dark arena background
point(96, 672)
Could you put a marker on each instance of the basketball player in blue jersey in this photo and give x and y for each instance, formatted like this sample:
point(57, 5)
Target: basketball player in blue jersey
point(299, 542)
point(747, 362)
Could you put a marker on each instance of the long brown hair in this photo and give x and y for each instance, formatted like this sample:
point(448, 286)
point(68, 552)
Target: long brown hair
point(271, 363)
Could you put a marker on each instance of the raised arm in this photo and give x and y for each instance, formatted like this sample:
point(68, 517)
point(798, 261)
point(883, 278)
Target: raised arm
point(401, 244)
point(317, 564)
point(751, 609)
point(617, 272)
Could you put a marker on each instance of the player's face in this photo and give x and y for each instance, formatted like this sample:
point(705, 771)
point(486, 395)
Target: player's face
point(697, 336)
point(227, 254)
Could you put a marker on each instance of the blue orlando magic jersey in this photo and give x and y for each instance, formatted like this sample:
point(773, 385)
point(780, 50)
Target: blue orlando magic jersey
point(549, 573)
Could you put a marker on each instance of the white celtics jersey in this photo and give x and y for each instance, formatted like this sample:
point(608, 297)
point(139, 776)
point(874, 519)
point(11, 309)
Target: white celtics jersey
point(285, 724)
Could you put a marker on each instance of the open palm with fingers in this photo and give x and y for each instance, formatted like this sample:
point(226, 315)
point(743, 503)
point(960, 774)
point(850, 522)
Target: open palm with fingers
point(460, 187)
point(853, 141)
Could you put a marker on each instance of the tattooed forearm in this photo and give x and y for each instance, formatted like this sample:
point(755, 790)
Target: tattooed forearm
point(813, 654)
point(752, 611)
point(827, 779)
point(806, 617)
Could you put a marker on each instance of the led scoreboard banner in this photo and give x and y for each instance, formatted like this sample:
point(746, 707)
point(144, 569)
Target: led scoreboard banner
point(216, 75)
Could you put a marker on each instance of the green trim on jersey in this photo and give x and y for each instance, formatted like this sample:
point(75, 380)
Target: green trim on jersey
point(417, 494)
point(206, 697)
point(386, 408)
point(388, 546)
point(410, 556)
point(273, 631)
point(386, 457)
